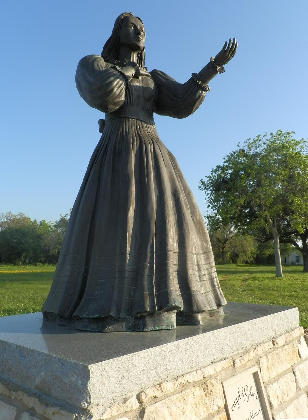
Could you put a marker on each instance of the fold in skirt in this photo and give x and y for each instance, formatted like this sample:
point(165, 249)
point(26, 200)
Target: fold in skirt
point(136, 241)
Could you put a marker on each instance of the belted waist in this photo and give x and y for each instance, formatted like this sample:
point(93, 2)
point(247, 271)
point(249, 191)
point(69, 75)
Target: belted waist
point(131, 111)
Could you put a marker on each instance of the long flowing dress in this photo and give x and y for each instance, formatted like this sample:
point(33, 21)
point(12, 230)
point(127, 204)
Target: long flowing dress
point(136, 241)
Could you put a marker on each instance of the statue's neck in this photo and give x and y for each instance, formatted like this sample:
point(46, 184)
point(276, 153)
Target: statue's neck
point(126, 55)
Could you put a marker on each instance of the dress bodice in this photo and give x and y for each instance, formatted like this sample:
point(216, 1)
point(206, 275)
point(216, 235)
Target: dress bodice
point(104, 86)
point(139, 100)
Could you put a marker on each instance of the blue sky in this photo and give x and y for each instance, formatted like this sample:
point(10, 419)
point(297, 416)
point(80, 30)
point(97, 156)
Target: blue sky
point(48, 133)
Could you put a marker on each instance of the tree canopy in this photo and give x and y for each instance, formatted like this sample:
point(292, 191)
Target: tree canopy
point(262, 188)
point(26, 241)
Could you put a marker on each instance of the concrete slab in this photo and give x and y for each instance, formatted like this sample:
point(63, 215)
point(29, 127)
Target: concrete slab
point(82, 369)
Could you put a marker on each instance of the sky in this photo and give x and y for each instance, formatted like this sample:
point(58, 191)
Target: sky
point(48, 133)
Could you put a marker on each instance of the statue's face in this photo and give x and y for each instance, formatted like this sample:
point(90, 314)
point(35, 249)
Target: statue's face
point(132, 33)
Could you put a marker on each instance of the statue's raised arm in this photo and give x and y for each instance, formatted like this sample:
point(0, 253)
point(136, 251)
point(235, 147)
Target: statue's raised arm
point(217, 63)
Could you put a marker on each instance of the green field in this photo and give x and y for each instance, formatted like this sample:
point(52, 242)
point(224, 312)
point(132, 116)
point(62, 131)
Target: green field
point(23, 289)
point(258, 284)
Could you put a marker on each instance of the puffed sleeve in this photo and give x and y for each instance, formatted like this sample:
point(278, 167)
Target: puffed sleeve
point(99, 84)
point(175, 99)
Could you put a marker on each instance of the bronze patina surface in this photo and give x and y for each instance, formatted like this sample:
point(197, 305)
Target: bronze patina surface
point(137, 255)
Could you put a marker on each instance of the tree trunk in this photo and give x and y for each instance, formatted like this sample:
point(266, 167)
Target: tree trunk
point(224, 255)
point(303, 249)
point(305, 258)
point(277, 253)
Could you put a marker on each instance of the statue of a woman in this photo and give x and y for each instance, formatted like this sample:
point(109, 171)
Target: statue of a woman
point(136, 255)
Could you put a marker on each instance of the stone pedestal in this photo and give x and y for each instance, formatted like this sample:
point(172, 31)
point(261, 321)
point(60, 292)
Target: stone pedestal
point(57, 373)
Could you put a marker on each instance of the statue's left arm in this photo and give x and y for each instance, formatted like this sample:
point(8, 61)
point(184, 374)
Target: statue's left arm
point(180, 100)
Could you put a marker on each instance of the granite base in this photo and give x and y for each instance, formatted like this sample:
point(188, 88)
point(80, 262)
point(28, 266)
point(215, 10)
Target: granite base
point(53, 372)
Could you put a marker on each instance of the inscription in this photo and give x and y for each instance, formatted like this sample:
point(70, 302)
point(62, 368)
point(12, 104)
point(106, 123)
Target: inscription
point(245, 397)
point(253, 414)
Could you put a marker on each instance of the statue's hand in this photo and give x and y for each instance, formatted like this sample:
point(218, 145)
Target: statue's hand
point(227, 52)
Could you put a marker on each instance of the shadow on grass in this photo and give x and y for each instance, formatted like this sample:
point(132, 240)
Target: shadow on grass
point(251, 270)
point(244, 272)
point(22, 277)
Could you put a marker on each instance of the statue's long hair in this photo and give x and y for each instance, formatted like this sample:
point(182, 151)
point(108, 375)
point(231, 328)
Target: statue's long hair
point(111, 48)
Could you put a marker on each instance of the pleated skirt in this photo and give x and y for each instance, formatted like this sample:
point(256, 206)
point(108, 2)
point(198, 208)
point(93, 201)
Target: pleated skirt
point(136, 242)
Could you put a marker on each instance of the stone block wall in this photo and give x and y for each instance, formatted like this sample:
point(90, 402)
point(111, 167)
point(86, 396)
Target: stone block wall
point(283, 364)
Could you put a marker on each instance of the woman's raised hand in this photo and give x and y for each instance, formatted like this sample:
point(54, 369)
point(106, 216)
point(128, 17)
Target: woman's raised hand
point(227, 52)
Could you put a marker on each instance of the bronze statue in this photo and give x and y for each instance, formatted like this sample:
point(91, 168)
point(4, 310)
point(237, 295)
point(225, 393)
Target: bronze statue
point(137, 255)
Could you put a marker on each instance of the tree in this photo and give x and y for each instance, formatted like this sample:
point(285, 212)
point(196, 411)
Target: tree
point(262, 189)
point(26, 241)
point(243, 249)
point(53, 238)
point(230, 246)
point(19, 239)
point(221, 236)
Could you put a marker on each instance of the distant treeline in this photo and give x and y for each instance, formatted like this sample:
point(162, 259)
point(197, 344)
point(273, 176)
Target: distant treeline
point(27, 241)
point(230, 246)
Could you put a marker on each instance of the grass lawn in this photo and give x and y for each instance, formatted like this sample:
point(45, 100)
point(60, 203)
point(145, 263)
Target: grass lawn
point(258, 284)
point(24, 289)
